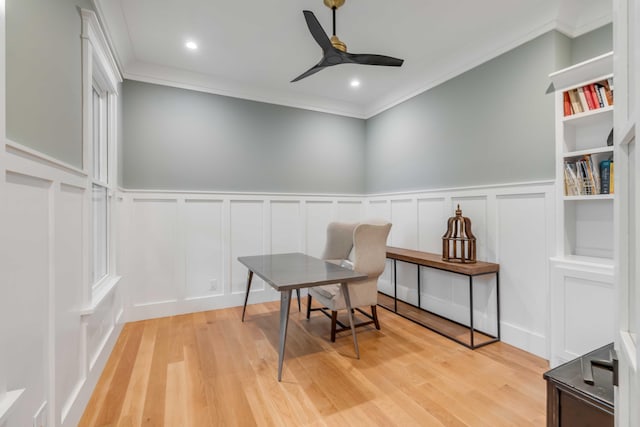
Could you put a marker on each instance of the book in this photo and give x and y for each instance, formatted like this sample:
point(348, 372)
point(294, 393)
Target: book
point(575, 102)
point(596, 95)
point(567, 104)
point(591, 98)
point(602, 94)
point(583, 100)
point(571, 182)
point(611, 180)
point(608, 84)
point(595, 174)
point(605, 173)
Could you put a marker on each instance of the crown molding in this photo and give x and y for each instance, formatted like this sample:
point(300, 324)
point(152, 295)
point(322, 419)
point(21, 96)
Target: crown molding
point(454, 66)
point(173, 77)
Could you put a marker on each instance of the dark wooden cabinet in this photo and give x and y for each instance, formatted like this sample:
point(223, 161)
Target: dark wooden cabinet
point(571, 402)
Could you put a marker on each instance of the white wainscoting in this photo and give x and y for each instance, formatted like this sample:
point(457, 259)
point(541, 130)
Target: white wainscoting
point(55, 348)
point(513, 226)
point(180, 250)
point(582, 309)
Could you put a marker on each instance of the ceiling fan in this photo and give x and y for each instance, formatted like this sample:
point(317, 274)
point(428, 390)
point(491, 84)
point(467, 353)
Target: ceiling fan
point(334, 51)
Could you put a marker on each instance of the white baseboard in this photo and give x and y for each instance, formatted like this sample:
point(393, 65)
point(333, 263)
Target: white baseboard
point(192, 305)
point(529, 341)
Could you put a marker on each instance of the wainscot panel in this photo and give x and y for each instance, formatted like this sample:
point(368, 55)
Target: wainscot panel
point(65, 334)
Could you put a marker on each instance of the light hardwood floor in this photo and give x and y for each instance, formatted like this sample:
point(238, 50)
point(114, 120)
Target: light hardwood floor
point(210, 369)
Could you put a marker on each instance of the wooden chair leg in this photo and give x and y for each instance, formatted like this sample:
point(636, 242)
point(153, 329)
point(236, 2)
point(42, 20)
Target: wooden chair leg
point(374, 314)
point(308, 305)
point(298, 295)
point(334, 321)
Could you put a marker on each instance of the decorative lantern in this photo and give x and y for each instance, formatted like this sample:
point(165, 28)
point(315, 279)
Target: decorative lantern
point(459, 243)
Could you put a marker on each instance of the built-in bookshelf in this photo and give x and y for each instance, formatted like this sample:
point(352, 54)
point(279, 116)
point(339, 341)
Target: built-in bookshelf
point(584, 156)
point(582, 289)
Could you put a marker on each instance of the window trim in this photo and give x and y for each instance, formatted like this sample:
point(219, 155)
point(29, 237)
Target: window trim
point(99, 71)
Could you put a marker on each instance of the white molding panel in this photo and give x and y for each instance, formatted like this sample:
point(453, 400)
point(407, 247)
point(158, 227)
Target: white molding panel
point(514, 227)
point(179, 249)
point(59, 349)
point(582, 309)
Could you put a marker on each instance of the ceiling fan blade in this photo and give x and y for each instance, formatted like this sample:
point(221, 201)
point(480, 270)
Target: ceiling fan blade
point(370, 59)
point(316, 30)
point(309, 72)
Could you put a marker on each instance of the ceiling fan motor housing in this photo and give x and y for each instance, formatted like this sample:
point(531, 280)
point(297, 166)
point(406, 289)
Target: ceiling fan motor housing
point(338, 44)
point(333, 3)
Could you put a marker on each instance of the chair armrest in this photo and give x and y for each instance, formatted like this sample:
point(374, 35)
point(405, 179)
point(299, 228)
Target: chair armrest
point(346, 264)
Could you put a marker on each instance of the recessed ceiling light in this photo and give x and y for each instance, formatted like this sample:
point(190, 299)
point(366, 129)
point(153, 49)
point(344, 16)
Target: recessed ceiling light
point(355, 83)
point(191, 45)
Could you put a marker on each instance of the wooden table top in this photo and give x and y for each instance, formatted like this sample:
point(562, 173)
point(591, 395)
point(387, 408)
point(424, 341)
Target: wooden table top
point(428, 259)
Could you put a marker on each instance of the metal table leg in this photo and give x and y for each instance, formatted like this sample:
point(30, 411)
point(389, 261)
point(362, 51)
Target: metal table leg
point(347, 299)
point(395, 287)
point(471, 310)
point(418, 268)
point(246, 296)
point(285, 300)
point(498, 303)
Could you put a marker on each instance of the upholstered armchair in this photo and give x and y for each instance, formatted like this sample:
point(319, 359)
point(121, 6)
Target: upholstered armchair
point(361, 247)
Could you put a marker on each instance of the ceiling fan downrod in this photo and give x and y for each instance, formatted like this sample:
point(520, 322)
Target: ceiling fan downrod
point(335, 41)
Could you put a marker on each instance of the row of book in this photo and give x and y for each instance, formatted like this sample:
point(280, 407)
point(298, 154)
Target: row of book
point(585, 177)
point(588, 97)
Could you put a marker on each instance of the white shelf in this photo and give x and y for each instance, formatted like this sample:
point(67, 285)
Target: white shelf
point(588, 117)
point(591, 197)
point(580, 153)
point(585, 261)
point(585, 225)
point(597, 68)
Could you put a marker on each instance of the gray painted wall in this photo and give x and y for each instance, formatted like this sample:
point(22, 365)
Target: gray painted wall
point(592, 44)
point(178, 139)
point(44, 84)
point(492, 124)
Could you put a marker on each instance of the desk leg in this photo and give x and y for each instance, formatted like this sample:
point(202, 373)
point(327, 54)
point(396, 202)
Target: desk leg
point(246, 296)
point(347, 299)
point(471, 310)
point(285, 300)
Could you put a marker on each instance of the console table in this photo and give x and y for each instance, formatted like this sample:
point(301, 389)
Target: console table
point(431, 260)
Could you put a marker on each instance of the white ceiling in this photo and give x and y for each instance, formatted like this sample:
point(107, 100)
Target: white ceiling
point(253, 49)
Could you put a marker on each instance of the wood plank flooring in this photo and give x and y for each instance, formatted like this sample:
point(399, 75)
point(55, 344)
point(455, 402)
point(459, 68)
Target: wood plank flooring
point(210, 369)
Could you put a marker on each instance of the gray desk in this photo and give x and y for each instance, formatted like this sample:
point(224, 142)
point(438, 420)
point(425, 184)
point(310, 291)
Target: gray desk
point(285, 272)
